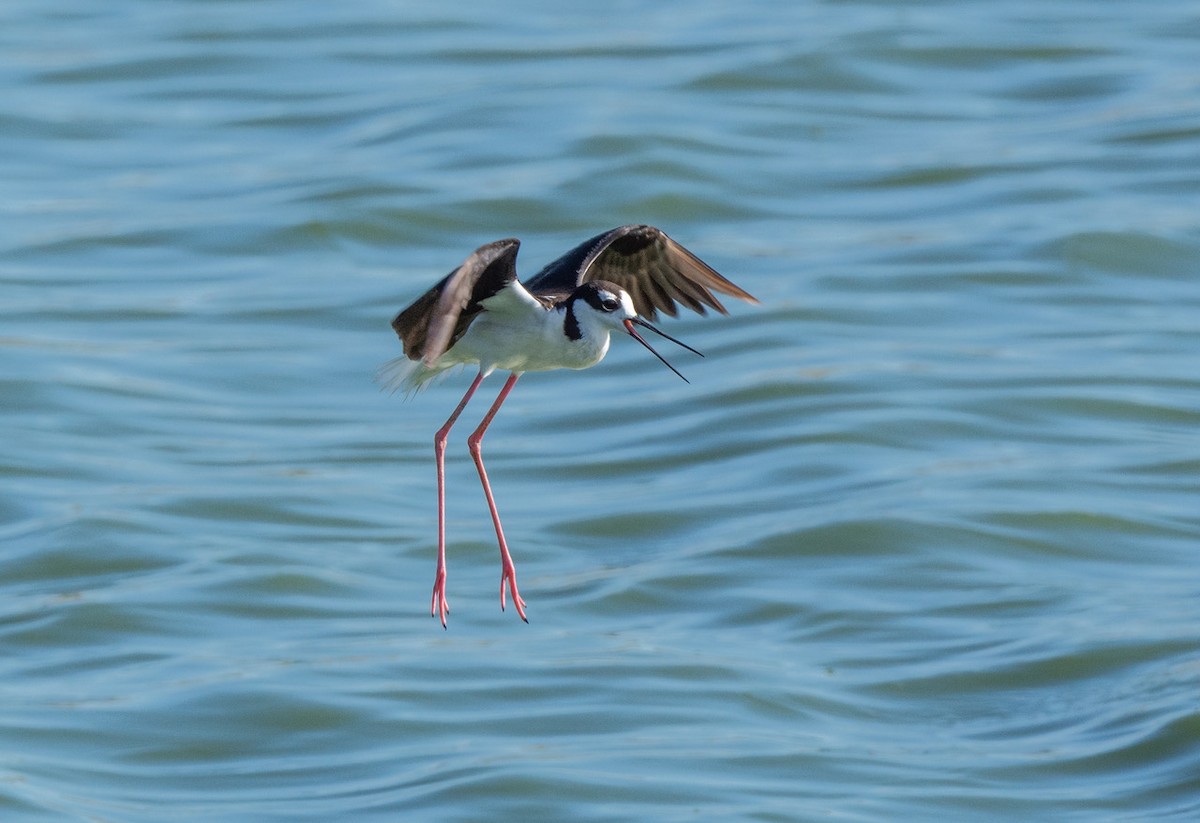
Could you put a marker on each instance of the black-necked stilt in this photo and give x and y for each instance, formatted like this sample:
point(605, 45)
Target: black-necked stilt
point(560, 319)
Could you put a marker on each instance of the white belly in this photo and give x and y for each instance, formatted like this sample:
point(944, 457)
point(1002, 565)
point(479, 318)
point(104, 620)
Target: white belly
point(500, 341)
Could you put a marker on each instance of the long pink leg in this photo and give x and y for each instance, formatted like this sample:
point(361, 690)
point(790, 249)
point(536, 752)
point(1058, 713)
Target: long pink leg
point(508, 572)
point(439, 604)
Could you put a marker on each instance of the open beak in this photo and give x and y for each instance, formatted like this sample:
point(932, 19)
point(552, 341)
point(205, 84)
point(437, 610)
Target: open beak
point(629, 327)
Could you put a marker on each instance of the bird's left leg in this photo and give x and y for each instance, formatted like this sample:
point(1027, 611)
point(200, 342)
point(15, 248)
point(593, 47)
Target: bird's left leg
point(439, 604)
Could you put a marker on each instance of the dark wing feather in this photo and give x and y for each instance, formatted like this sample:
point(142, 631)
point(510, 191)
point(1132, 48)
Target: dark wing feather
point(561, 277)
point(657, 272)
point(438, 318)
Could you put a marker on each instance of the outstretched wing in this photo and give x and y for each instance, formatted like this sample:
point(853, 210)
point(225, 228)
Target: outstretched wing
point(438, 318)
point(657, 272)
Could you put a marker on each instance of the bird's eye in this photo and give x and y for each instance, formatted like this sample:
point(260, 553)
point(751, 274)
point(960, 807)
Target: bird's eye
point(609, 304)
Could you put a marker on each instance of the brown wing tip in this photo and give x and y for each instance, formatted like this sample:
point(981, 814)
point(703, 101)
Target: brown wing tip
point(713, 280)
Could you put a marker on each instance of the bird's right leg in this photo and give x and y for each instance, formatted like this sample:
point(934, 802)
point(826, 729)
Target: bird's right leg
point(508, 572)
point(439, 605)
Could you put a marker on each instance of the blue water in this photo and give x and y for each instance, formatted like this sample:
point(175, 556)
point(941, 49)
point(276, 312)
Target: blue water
point(918, 541)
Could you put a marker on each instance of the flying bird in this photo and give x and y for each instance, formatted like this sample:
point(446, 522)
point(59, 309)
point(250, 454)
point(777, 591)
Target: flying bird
point(561, 318)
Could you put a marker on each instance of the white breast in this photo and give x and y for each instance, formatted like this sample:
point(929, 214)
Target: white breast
point(527, 341)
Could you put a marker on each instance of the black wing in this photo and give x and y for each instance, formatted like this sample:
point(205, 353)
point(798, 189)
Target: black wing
point(438, 318)
point(655, 270)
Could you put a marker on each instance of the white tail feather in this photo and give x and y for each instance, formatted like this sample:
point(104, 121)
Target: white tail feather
point(411, 376)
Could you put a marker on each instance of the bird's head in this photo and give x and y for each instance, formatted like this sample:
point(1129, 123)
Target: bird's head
point(611, 306)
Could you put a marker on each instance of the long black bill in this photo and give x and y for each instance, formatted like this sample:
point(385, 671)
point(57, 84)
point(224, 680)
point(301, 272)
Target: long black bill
point(639, 321)
point(633, 333)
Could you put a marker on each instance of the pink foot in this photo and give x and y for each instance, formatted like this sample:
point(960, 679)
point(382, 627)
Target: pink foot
point(509, 575)
point(440, 604)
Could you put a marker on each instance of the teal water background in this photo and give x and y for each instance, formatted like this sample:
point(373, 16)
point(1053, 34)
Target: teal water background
point(918, 542)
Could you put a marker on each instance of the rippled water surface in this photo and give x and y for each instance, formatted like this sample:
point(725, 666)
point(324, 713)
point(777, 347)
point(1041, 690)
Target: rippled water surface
point(918, 541)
